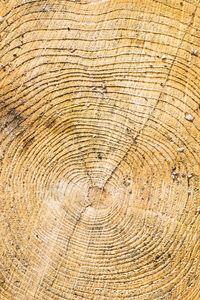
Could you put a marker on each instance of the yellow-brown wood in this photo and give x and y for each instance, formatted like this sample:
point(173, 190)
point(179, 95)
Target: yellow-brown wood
point(99, 149)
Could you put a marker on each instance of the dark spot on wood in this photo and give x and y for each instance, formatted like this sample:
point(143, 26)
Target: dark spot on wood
point(28, 142)
point(169, 139)
point(18, 118)
point(104, 89)
point(50, 123)
point(72, 50)
point(194, 52)
point(2, 281)
point(175, 176)
point(127, 182)
point(99, 156)
point(135, 141)
point(12, 120)
point(5, 124)
point(3, 68)
point(12, 111)
point(157, 256)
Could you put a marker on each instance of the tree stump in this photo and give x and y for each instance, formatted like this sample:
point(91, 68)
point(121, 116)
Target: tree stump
point(99, 149)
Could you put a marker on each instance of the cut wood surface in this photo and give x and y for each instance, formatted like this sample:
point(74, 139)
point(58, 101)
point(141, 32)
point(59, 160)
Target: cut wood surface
point(99, 149)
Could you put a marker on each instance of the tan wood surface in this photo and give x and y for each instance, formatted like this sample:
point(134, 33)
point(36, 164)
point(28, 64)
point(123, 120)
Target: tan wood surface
point(99, 149)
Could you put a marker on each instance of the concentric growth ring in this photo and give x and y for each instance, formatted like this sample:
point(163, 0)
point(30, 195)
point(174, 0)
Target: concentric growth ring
point(99, 149)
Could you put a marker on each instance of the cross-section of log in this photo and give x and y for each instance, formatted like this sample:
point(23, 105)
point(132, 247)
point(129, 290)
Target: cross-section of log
point(99, 149)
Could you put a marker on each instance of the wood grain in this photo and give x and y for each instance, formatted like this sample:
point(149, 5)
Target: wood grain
point(99, 149)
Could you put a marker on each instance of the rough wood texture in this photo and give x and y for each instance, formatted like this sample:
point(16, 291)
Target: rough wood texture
point(99, 153)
